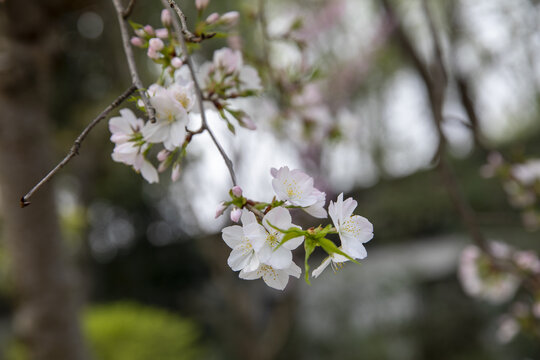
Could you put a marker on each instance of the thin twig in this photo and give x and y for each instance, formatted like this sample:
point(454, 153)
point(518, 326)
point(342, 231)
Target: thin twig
point(181, 29)
point(129, 9)
point(188, 35)
point(25, 200)
point(131, 61)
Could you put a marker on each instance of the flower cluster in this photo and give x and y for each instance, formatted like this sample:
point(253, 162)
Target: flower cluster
point(173, 96)
point(521, 182)
point(262, 246)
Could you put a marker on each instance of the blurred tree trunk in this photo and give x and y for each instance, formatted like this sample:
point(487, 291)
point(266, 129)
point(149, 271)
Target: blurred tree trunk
point(46, 317)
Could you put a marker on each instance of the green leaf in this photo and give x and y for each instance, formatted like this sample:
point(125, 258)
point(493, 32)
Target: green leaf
point(231, 127)
point(331, 248)
point(134, 25)
point(290, 233)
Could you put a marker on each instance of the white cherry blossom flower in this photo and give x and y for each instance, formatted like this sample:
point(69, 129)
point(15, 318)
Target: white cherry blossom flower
point(243, 256)
point(130, 147)
point(172, 106)
point(266, 239)
point(275, 278)
point(353, 230)
point(296, 188)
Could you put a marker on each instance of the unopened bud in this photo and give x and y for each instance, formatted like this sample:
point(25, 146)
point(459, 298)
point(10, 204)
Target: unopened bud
point(175, 175)
point(136, 41)
point(156, 44)
point(201, 4)
point(230, 18)
point(176, 62)
point(163, 154)
point(248, 123)
point(149, 30)
point(162, 166)
point(166, 19)
point(235, 214)
point(162, 33)
point(220, 209)
point(152, 53)
point(237, 191)
point(140, 32)
point(212, 18)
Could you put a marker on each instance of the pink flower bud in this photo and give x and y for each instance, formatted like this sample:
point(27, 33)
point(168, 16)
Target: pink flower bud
point(230, 18)
point(212, 18)
point(175, 175)
point(220, 209)
point(201, 4)
point(162, 33)
point(235, 214)
point(162, 167)
point(248, 123)
point(163, 154)
point(237, 191)
point(136, 41)
point(140, 32)
point(176, 62)
point(156, 44)
point(152, 53)
point(149, 30)
point(166, 19)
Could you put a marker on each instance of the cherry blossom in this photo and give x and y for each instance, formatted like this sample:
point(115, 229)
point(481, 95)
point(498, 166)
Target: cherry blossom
point(172, 106)
point(275, 278)
point(126, 133)
point(243, 256)
point(266, 238)
point(296, 188)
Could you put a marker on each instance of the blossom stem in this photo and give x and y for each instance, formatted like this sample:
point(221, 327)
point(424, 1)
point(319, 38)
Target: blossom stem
point(131, 60)
point(25, 200)
point(181, 30)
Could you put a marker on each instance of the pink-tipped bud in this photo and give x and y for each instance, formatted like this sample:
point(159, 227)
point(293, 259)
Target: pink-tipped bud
point(175, 174)
point(162, 33)
point(237, 191)
point(176, 62)
point(163, 154)
point(152, 53)
point(162, 167)
point(235, 214)
point(136, 41)
point(230, 18)
point(212, 18)
point(156, 44)
point(220, 209)
point(140, 32)
point(201, 4)
point(149, 30)
point(166, 18)
point(248, 123)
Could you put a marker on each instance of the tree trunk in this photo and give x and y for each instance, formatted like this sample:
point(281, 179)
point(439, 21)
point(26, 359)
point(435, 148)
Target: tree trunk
point(46, 315)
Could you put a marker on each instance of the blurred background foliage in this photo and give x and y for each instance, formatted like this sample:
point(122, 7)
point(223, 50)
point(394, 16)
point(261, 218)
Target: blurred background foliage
point(152, 245)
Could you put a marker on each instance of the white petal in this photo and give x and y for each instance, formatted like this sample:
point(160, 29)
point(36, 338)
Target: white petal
point(317, 210)
point(239, 258)
point(149, 172)
point(253, 264)
point(294, 270)
point(276, 279)
point(279, 217)
point(280, 258)
point(248, 217)
point(293, 243)
point(232, 235)
point(256, 235)
point(250, 275)
point(315, 273)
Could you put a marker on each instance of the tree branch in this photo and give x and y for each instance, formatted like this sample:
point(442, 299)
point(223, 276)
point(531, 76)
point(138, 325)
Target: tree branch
point(25, 200)
point(188, 35)
point(131, 61)
point(181, 30)
point(128, 9)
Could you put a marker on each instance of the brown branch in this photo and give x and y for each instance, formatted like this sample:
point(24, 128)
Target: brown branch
point(181, 29)
point(128, 9)
point(435, 83)
point(188, 35)
point(131, 61)
point(25, 200)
